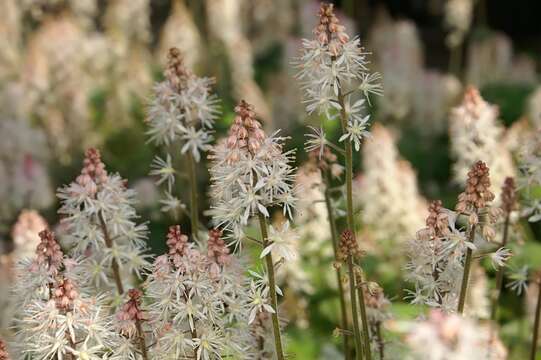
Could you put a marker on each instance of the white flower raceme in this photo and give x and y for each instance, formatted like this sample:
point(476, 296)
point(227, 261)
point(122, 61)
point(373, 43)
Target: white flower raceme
point(250, 173)
point(334, 75)
point(198, 300)
point(181, 115)
point(436, 260)
point(476, 135)
point(183, 109)
point(437, 255)
point(100, 222)
point(56, 318)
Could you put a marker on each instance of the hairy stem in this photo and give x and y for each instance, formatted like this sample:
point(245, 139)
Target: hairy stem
point(536, 322)
point(119, 286)
point(272, 288)
point(466, 274)
point(194, 213)
point(355, 315)
point(341, 294)
point(141, 337)
point(366, 333)
point(349, 188)
point(499, 274)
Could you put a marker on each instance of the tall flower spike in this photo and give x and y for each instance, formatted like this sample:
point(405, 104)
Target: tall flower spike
point(100, 224)
point(249, 174)
point(49, 253)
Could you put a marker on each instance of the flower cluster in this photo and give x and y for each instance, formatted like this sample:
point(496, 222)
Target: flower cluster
point(435, 260)
point(198, 300)
point(58, 319)
point(475, 134)
point(334, 76)
point(183, 109)
point(250, 173)
point(100, 223)
point(438, 253)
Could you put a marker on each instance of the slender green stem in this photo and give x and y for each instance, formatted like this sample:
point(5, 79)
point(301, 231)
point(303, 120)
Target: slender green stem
point(341, 294)
point(366, 332)
point(466, 274)
point(272, 288)
point(499, 274)
point(349, 188)
point(194, 213)
point(355, 315)
point(536, 323)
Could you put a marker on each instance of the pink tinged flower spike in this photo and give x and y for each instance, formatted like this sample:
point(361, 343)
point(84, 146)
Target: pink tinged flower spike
point(49, 254)
point(246, 133)
point(177, 243)
point(93, 173)
point(329, 31)
point(131, 313)
point(217, 250)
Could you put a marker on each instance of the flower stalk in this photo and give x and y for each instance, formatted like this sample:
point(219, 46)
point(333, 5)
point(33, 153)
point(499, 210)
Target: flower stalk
point(508, 205)
point(272, 289)
point(466, 273)
point(362, 307)
point(350, 219)
point(341, 292)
